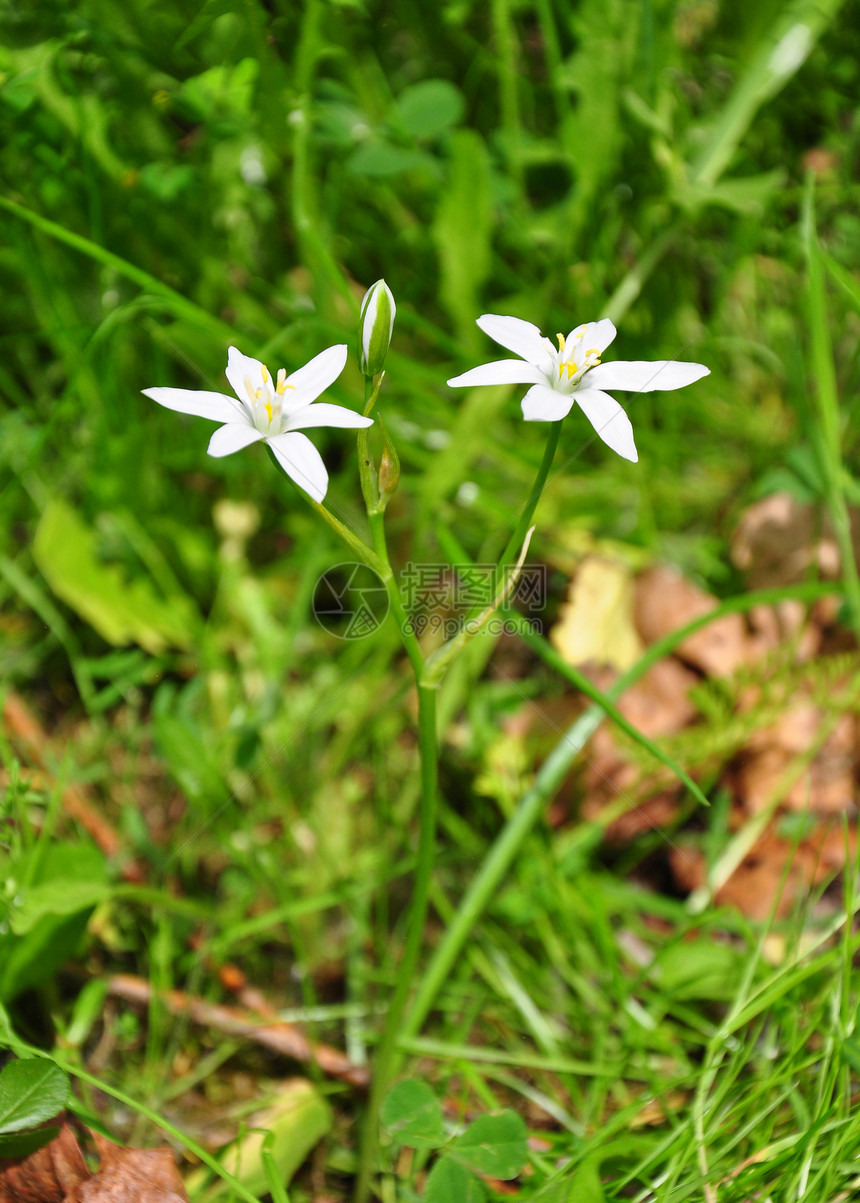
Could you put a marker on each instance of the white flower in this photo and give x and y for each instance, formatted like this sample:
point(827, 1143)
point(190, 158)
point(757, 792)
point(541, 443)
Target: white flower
point(573, 371)
point(273, 411)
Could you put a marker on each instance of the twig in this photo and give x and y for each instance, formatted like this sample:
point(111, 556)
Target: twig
point(283, 1038)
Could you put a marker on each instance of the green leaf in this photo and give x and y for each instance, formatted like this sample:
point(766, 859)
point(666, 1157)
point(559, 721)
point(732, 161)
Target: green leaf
point(55, 898)
point(281, 1138)
point(462, 231)
point(429, 108)
point(449, 1182)
point(494, 1144)
point(31, 1091)
point(413, 1116)
point(121, 610)
point(31, 956)
point(22, 1144)
point(376, 157)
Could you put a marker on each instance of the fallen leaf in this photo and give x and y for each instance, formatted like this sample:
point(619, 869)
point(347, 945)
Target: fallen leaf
point(131, 1176)
point(779, 540)
point(664, 601)
point(46, 1176)
point(596, 624)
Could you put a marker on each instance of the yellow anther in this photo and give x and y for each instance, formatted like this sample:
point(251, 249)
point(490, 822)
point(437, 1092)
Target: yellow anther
point(572, 369)
point(560, 338)
point(265, 372)
point(249, 389)
point(594, 351)
point(268, 410)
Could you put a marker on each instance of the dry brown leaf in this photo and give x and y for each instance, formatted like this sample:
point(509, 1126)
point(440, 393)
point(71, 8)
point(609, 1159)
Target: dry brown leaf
point(779, 540)
point(664, 601)
point(57, 1173)
point(596, 623)
point(757, 883)
point(131, 1176)
point(46, 1176)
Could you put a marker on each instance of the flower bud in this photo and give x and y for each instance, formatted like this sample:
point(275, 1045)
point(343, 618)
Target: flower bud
point(375, 323)
point(389, 469)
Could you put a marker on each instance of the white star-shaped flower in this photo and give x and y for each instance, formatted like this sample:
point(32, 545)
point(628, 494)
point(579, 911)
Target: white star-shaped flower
point(573, 371)
point(271, 411)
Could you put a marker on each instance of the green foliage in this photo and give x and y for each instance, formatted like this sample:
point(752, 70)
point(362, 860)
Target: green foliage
point(122, 611)
point(413, 1116)
point(51, 891)
point(493, 1146)
point(32, 1091)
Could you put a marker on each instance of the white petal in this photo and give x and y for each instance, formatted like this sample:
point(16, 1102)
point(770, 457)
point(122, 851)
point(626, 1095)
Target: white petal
point(518, 336)
point(316, 375)
point(321, 413)
point(302, 463)
point(239, 367)
point(215, 406)
point(609, 420)
point(500, 371)
point(644, 376)
point(596, 336)
point(543, 404)
point(233, 437)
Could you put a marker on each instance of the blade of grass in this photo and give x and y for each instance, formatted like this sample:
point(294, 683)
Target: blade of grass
point(827, 439)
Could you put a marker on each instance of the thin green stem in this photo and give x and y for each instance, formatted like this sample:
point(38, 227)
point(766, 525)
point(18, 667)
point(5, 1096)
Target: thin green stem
point(528, 810)
point(385, 1061)
point(387, 1058)
point(438, 663)
point(356, 545)
point(527, 512)
point(364, 553)
point(827, 439)
point(404, 625)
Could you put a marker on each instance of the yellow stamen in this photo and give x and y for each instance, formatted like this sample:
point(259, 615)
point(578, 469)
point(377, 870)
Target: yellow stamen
point(249, 389)
point(572, 369)
point(594, 351)
point(560, 338)
point(268, 410)
point(265, 372)
point(282, 386)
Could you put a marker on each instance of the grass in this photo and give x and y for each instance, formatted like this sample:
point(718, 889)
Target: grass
point(175, 178)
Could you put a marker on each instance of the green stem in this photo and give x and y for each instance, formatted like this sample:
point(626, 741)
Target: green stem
point(501, 855)
point(364, 553)
point(387, 1058)
point(358, 546)
point(385, 1061)
point(527, 512)
point(827, 438)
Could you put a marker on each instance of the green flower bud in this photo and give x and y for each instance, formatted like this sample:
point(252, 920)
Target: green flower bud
point(375, 323)
point(389, 469)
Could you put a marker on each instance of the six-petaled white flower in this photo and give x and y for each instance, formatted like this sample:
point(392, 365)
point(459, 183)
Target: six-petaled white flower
point(272, 411)
point(573, 371)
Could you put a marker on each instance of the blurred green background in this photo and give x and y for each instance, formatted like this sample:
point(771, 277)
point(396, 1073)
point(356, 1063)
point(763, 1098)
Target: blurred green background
point(177, 177)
